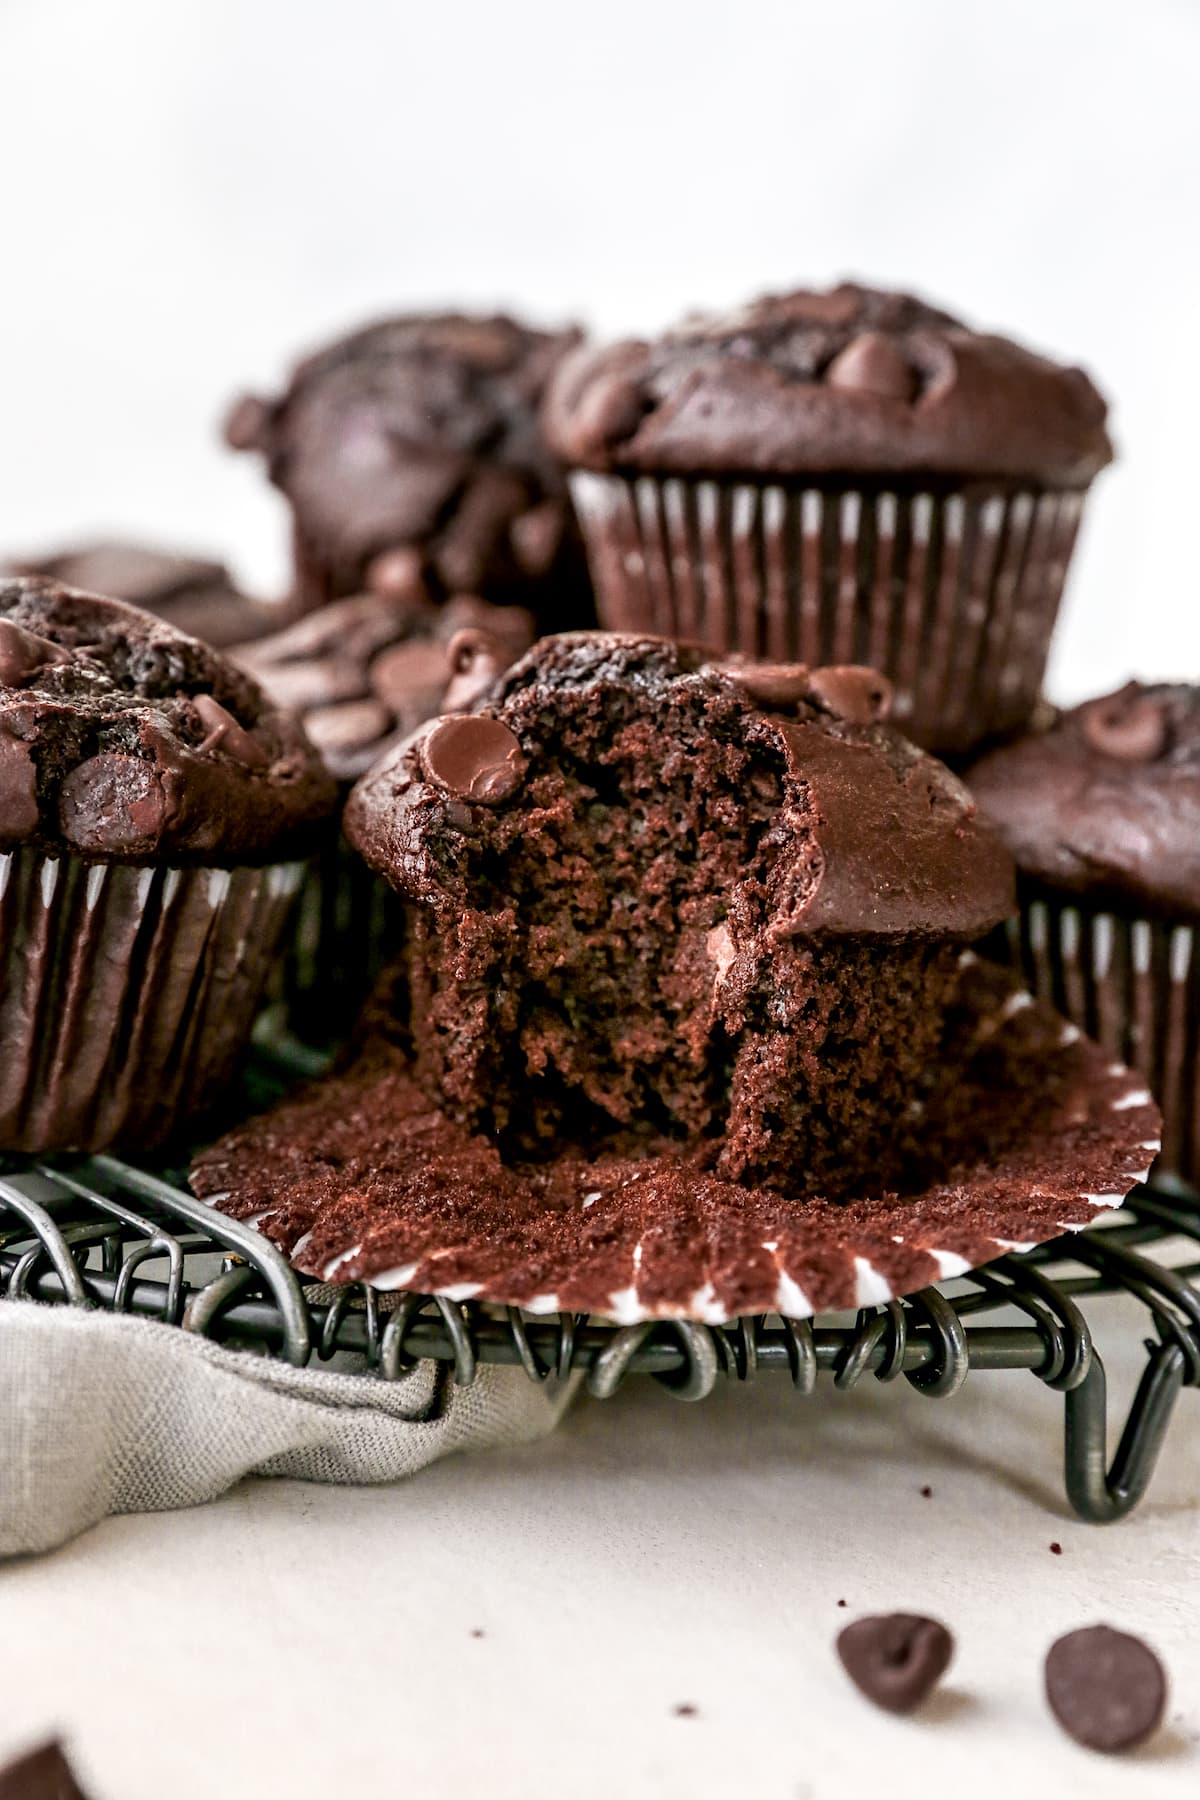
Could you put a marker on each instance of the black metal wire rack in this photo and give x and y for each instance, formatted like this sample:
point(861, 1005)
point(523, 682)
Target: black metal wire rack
point(99, 1232)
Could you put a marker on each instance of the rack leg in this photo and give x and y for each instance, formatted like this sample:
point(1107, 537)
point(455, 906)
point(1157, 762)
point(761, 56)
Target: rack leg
point(1098, 1494)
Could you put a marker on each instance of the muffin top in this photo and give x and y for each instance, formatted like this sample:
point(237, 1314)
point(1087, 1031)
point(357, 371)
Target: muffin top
point(365, 672)
point(1105, 801)
point(419, 434)
point(122, 740)
point(857, 831)
point(190, 592)
point(853, 381)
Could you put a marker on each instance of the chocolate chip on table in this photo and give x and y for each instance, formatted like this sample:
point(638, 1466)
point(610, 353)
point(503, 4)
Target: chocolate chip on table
point(41, 1774)
point(927, 1493)
point(685, 1710)
point(1107, 1690)
point(1056, 1549)
point(895, 1659)
point(474, 758)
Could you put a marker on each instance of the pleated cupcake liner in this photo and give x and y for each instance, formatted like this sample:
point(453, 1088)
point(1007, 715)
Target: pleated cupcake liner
point(953, 595)
point(347, 927)
point(1031, 1131)
point(1132, 984)
point(126, 994)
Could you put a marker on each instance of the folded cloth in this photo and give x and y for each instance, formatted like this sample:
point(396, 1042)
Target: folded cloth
point(104, 1415)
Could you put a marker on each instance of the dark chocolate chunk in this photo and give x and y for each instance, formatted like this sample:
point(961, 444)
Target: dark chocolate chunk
point(18, 790)
point(474, 758)
point(1130, 726)
point(225, 734)
point(895, 1659)
point(113, 802)
point(41, 1774)
point(858, 695)
point(873, 364)
point(1107, 1690)
point(23, 653)
point(476, 659)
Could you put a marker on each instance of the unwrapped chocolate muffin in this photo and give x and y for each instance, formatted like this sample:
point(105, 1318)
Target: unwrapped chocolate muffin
point(362, 674)
point(842, 476)
point(1101, 809)
point(412, 456)
point(192, 593)
point(155, 809)
point(659, 900)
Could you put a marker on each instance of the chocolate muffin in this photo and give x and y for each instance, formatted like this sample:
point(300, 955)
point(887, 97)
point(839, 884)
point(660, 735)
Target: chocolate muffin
point(153, 810)
point(842, 476)
point(362, 674)
point(191, 593)
point(1101, 808)
point(413, 459)
point(659, 900)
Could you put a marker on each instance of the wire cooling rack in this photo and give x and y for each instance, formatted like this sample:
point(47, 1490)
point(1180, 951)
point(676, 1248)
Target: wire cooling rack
point(99, 1232)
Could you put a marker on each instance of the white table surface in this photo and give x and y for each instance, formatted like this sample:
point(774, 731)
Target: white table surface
point(301, 1641)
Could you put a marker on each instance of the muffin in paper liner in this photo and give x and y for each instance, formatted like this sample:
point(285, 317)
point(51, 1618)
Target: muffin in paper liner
point(1026, 1130)
point(126, 993)
point(1132, 984)
point(952, 592)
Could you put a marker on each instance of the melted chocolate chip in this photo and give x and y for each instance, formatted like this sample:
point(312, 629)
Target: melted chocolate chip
point(475, 659)
point(860, 696)
point(18, 790)
point(226, 735)
point(872, 363)
point(895, 1659)
point(113, 803)
point(23, 653)
point(474, 759)
point(247, 423)
point(399, 573)
point(1107, 1690)
point(610, 409)
point(1130, 727)
point(771, 684)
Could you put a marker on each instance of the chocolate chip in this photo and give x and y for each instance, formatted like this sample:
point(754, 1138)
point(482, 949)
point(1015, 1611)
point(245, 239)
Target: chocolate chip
point(860, 696)
point(535, 536)
point(248, 423)
point(410, 679)
point(895, 1659)
point(23, 653)
point(474, 758)
point(772, 684)
point(399, 573)
point(225, 734)
point(41, 1774)
point(1129, 726)
point(1056, 1549)
point(873, 364)
point(18, 790)
point(611, 408)
point(474, 659)
point(1106, 1689)
point(685, 1710)
point(113, 803)
point(927, 1493)
point(349, 725)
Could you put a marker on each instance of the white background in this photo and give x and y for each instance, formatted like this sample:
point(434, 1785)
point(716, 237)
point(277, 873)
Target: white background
point(194, 190)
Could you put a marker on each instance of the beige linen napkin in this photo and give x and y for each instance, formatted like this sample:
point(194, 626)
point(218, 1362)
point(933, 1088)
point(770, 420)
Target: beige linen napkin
point(106, 1415)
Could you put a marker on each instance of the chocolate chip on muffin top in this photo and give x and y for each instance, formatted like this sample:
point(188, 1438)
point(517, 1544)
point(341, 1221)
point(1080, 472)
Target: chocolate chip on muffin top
point(1105, 800)
point(851, 381)
point(123, 740)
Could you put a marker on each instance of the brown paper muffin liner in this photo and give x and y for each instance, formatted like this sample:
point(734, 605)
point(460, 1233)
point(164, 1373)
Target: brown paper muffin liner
point(1027, 1130)
point(126, 994)
point(952, 594)
point(347, 927)
point(1132, 984)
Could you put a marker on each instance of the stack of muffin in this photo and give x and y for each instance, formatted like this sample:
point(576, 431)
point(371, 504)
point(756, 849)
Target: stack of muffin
point(667, 902)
